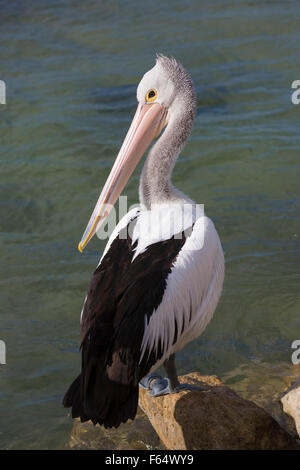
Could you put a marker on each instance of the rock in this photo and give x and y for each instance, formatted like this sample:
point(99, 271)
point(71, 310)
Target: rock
point(249, 381)
point(216, 418)
point(291, 404)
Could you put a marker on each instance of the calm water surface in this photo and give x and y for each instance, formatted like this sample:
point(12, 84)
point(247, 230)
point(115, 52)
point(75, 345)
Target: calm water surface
point(71, 70)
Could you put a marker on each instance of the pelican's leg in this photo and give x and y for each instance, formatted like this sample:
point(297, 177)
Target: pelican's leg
point(170, 368)
point(163, 386)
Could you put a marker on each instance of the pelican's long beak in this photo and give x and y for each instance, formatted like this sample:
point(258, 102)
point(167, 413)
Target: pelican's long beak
point(147, 124)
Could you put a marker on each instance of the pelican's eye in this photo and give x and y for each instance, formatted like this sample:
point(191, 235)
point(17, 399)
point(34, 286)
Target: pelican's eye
point(151, 95)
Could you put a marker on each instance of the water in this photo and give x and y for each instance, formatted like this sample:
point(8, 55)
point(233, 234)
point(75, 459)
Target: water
point(71, 70)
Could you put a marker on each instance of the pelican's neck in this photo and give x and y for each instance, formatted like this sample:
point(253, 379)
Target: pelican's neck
point(155, 183)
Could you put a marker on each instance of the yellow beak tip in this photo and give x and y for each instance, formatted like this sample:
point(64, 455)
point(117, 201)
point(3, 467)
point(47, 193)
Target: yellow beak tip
point(80, 247)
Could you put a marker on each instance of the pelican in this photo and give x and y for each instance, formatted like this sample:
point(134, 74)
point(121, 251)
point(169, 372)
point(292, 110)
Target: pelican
point(160, 277)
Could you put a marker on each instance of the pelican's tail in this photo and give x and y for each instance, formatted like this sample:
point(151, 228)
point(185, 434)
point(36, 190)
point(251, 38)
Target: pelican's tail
point(72, 398)
point(104, 401)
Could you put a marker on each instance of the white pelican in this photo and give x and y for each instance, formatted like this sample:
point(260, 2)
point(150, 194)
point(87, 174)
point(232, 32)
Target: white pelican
point(158, 283)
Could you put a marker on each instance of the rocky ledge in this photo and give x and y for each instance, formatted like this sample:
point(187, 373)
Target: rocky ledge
point(215, 418)
point(291, 403)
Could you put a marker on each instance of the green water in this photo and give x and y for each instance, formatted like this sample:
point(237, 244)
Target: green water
point(71, 70)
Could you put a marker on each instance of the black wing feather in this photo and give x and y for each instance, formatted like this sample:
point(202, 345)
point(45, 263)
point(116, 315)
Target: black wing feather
point(121, 293)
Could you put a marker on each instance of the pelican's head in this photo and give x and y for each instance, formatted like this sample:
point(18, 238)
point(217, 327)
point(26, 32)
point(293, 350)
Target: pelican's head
point(163, 92)
point(169, 85)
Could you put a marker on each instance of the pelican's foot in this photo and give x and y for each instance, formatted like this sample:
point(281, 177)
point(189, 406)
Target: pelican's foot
point(191, 387)
point(159, 386)
point(146, 381)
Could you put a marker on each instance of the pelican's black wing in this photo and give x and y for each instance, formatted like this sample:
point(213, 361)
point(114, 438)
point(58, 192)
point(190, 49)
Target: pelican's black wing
point(121, 293)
